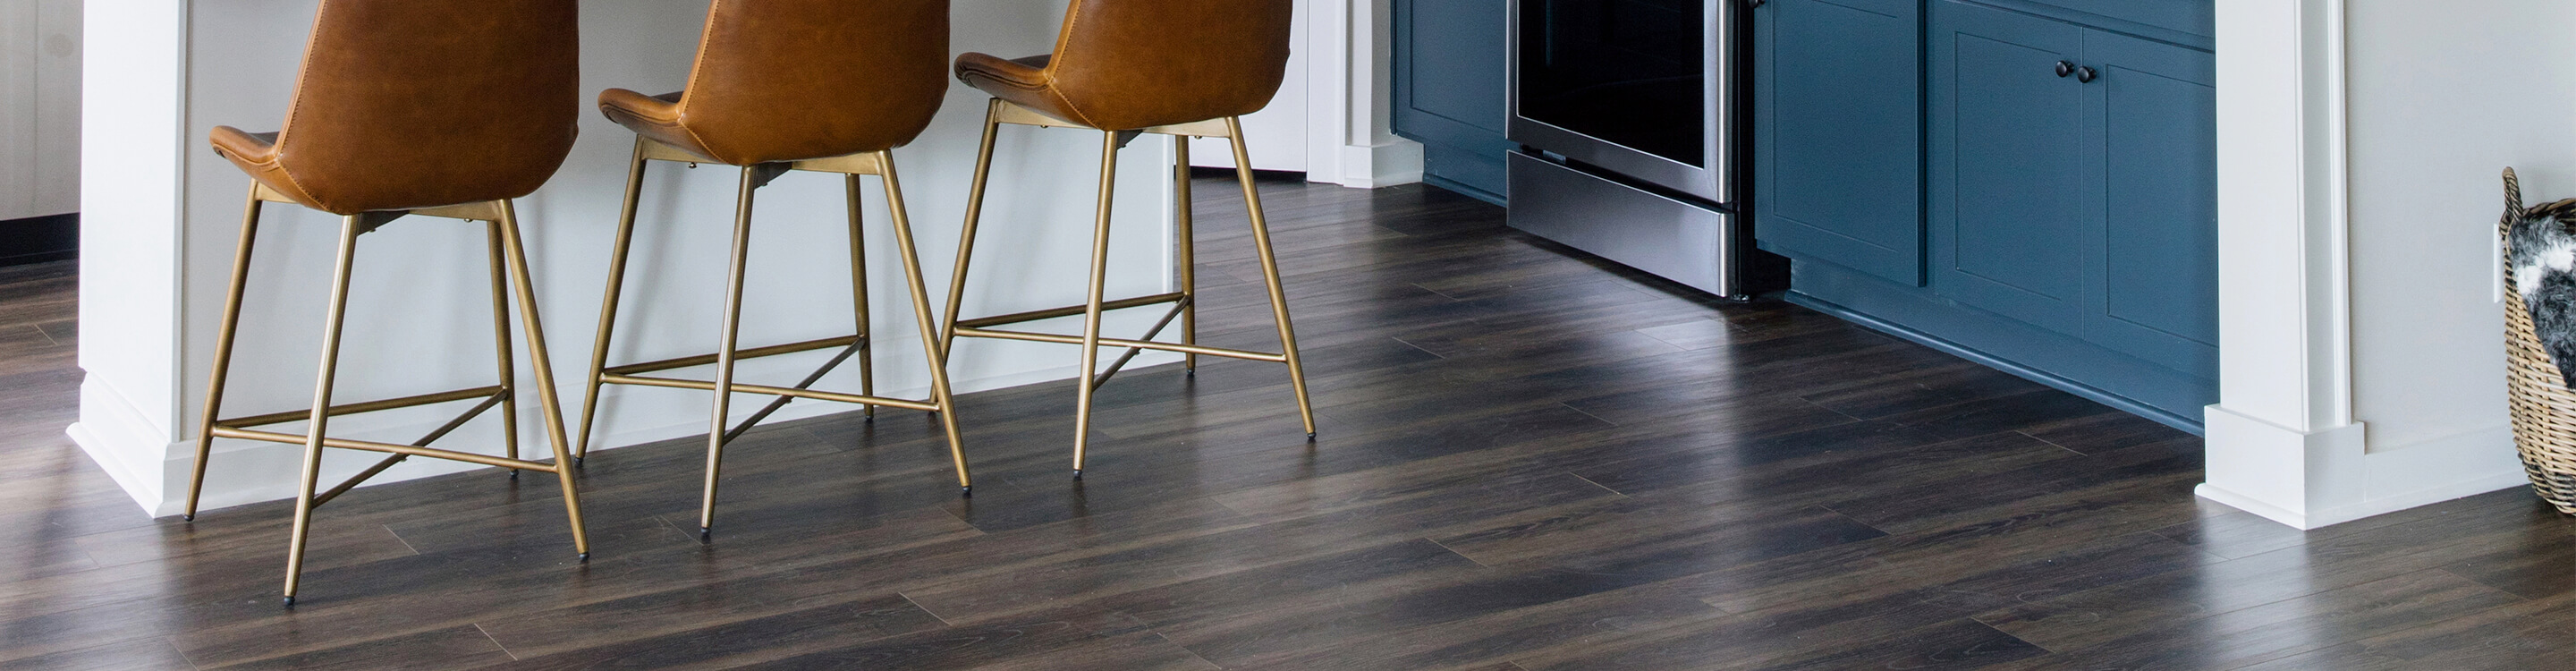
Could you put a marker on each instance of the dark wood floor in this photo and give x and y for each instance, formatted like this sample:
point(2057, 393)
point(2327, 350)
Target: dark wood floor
point(1528, 461)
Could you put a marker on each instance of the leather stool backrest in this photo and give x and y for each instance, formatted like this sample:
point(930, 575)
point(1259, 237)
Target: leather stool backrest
point(406, 104)
point(1138, 63)
point(781, 80)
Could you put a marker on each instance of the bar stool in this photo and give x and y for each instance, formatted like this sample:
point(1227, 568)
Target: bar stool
point(827, 86)
point(410, 108)
point(1184, 68)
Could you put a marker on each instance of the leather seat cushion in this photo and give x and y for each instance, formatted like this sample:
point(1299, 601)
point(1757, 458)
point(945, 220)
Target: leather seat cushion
point(1020, 81)
point(657, 118)
point(256, 154)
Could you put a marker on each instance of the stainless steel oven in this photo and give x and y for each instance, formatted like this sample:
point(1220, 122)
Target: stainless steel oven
point(1627, 114)
point(1641, 88)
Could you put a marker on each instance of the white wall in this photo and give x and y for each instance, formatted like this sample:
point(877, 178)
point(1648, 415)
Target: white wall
point(419, 311)
point(40, 66)
point(2360, 146)
point(2443, 96)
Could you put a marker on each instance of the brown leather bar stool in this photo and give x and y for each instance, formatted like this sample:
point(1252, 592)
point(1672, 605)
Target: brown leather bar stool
point(440, 109)
point(826, 86)
point(1185, 68)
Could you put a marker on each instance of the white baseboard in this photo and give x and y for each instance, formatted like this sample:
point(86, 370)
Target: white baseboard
point(1390, 164)
point(2311, 480)
point(109, 420)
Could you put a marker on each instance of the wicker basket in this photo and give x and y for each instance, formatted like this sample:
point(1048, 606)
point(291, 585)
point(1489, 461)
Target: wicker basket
point(2544, 410)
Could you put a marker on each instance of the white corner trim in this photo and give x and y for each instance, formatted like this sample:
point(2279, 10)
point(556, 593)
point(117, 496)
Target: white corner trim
point(2329, 165)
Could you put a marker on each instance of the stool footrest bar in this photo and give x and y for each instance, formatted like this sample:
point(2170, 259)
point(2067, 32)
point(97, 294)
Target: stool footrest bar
point(370, 406)
point(740, 388)
point(781, 402)
point(1051, 313)
point(752, 353)
point(355, 480)
point(372, 446)
point(1122, 342)
point(1130, 354)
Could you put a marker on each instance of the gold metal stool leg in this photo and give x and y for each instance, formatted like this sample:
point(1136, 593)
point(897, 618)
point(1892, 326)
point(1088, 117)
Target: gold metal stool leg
point(966, 237)
point(859, 297)
point(1091, 310)
point(1186, 252)
point(725, 343)
point(223, 351)
point(543, 368)
point(940, 394)
point(318, 424)
point(1270, 272)
point(608, 304)
point(501, 346)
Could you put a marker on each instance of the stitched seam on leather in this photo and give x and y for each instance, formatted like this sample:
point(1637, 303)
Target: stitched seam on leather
point(295, 107)
point(1064, 43)
point(997, 77)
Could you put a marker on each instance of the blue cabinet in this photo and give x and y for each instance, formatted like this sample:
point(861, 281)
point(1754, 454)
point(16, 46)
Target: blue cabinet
point(1449, 92)
point(2068, 188)
point(1838, 133)
point(2008, 162)
point(2152, 201)
point(2084, 203)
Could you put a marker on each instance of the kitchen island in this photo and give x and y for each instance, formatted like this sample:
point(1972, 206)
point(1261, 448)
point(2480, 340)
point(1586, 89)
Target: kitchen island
point(162, 212)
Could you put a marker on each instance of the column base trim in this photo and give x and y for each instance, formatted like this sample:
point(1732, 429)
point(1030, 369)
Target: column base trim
point(2315, 479)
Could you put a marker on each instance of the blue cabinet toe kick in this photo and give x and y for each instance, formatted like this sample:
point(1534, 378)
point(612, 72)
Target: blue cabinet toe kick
point(2147, 389)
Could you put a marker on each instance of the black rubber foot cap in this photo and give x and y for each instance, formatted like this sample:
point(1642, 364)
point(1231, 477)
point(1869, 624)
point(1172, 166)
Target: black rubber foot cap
point(290, 602)
point(576, 461)
point(584, 558)
point(966, 491)
point(1077, 474)
point(187, 518)
point(706, 533)
point(514, 474)
point(1310, 436)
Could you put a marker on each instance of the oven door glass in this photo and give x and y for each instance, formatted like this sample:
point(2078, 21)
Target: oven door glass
point(1629, 72)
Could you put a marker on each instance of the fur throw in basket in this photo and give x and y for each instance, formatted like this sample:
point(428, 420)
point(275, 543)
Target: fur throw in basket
point(2541, 252)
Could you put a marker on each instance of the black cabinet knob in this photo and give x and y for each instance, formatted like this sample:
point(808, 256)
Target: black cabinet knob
point(2086, 75)
point(2064, 68)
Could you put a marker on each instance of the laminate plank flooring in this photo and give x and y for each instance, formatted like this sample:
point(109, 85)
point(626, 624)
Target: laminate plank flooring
point(1530, 459)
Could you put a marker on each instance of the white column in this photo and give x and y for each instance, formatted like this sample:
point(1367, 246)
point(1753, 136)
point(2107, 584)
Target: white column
point(2358, 276)
point(1350, 90)
point(2282, 442)
point(134, 111)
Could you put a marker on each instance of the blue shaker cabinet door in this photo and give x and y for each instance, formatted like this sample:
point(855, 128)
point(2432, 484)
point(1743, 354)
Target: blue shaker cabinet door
point(1449, 89)
point(2149, 120)
point(2008, 179)
point(1838, 106)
